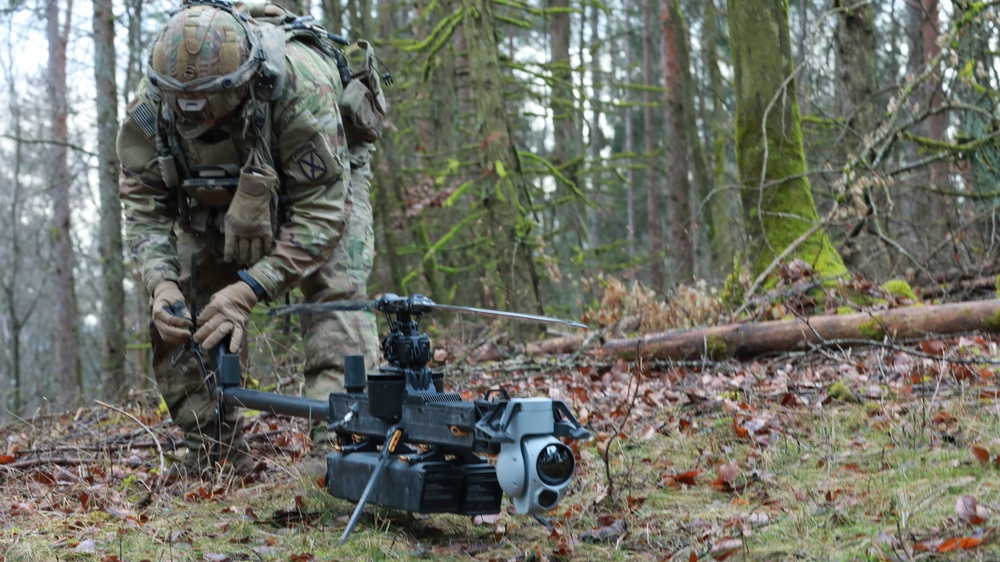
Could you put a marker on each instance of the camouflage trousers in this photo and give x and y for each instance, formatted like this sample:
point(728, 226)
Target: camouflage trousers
point(327, 336)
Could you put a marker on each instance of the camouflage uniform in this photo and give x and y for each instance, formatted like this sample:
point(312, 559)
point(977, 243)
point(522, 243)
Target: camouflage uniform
point(327, 186)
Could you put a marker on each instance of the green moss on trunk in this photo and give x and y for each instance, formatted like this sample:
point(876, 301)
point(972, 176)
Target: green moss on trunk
point(993, 322)
point(873, 329)
point(899, 288)
point(502, 187)
point(777, 199)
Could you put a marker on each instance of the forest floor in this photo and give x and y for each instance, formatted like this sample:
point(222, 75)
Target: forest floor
point(886, 453)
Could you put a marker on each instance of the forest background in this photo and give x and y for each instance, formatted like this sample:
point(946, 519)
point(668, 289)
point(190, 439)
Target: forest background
point(536, 153)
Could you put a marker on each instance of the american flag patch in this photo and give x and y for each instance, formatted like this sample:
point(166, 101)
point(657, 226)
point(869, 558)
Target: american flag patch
point(144, 117)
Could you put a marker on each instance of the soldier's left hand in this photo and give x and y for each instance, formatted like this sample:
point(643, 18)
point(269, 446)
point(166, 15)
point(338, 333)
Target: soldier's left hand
point(225, 314)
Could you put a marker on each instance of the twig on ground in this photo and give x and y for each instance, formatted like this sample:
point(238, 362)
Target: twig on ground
point(159, 450)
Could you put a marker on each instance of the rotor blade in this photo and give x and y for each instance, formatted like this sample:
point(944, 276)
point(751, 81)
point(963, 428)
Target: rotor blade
point(334, 306)
point(516, 315)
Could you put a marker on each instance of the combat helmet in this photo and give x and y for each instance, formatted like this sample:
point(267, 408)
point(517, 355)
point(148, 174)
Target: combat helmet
point(204, 60)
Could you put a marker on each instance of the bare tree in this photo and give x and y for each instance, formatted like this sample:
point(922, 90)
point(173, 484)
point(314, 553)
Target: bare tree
point(66, 338)
point(655, 234)
point(781, 215)
point(676, 141)
point(110, 235)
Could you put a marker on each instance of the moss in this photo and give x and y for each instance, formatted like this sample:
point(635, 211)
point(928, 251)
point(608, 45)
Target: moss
point(899, 288)
point(845, 310)
point(777, 197)
point(716, 348)
point(993, 322)
point(997, 284)
point(839, 392)
point(873, 329)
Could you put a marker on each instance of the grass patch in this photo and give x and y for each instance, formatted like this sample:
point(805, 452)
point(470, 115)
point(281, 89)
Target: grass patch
point(681, 464)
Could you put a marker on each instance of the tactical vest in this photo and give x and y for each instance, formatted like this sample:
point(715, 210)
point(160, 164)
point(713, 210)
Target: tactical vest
point(202, 165)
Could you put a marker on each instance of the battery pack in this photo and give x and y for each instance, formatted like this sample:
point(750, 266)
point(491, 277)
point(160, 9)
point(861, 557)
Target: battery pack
point(421, 487)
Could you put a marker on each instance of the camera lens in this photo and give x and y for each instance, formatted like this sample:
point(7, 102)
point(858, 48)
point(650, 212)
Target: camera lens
point(555, 464)
point(548, 499)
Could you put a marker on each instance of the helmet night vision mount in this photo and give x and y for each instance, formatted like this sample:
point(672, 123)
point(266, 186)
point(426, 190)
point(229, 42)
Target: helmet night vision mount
point(403, 443)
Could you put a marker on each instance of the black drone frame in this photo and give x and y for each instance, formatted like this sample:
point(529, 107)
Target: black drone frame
point(401, 412)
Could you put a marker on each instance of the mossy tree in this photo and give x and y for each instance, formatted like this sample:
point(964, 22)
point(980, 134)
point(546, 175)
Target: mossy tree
point(502, 188)
point(781, 218)
point(721, 215)
point(673, 41)
point(976, 91)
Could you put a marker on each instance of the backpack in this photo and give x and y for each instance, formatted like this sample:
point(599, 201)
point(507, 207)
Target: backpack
point(362, 103)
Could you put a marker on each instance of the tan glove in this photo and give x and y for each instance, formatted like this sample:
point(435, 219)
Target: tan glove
point(250, 220)
point(226, 313)
point(170, 317)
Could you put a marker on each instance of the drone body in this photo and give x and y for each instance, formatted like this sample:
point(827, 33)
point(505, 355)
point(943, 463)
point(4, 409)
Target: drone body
point(404, 443)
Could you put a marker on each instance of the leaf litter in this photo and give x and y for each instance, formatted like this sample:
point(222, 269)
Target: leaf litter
point(886, 452)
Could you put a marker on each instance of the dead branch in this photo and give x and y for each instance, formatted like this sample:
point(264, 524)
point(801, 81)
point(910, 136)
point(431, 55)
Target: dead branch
point(159, 450)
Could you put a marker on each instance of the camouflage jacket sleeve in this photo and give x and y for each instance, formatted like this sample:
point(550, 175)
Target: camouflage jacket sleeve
point(310, 149)
point(148, 224)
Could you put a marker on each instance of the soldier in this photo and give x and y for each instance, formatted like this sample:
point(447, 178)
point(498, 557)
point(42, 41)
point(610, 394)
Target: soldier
point(237, 154)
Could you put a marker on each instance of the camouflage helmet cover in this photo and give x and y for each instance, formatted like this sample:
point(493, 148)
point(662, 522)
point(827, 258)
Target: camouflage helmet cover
point(203, 61)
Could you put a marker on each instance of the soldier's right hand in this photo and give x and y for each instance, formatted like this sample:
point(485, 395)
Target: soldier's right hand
point(169, 314)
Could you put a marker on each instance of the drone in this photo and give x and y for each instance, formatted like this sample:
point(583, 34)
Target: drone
point(404, 443)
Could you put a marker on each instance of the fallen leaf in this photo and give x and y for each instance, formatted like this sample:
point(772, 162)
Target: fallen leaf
point(87, 546)
point(726, 547)
point(974, 541)
point(606, 533)
point(688, 478)
point(740, 431)
point(728, 472)
point(981, 454)
point(969, 511)
point(948, 545)
point(489, 519)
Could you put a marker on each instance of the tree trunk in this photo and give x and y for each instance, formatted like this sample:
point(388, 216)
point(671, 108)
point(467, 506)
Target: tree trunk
point(857, 71)
point(15, 313)
point(66, 343)
point(113, 309)
point(844, 331)
point(974, 91)
point(562, 101)
point(701, 255)
point(676, 142)
point(134, 67)
point(629, 144)
point(803, 81)
point(508, 225)
point(654, 232)
point(333, 16)
point(781, 217)
point(747, 340)
point(386, 175)
point(925, 212)
point(367, 26)
point(595, 223)
point(724, 205)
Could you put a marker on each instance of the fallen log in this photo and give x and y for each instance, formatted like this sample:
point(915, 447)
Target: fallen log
point(757, 338)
